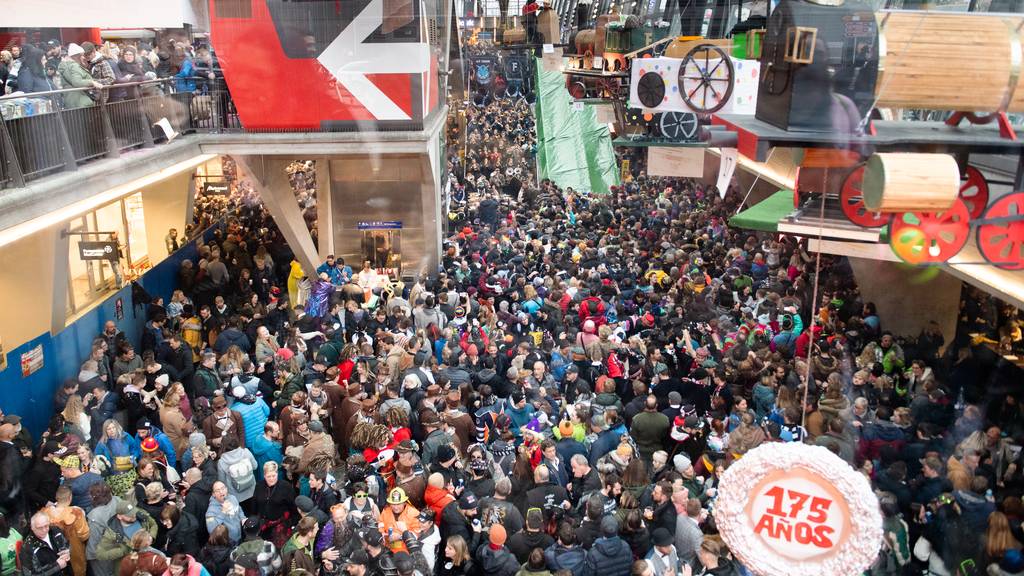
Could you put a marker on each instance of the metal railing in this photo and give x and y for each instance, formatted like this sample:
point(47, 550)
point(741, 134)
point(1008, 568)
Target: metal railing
point(42, 133)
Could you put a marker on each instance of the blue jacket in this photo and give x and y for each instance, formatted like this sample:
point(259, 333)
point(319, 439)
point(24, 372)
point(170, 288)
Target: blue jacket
point(608, 557)
point(558, 557)
point(265, 451)
point(129, 446)
point(254, 416)
point(764, 400)
point(185, 77)
point(520, 417)
point(604, 443)
point(230, 337)
point(165, 444)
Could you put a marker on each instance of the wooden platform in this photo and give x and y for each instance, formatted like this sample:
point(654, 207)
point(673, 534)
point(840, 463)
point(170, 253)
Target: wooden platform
point(594, 73)
point(719, 139)
point(755, 138)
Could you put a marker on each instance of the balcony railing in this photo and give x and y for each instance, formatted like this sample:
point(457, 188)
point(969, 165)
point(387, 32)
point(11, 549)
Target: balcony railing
point(47, 132)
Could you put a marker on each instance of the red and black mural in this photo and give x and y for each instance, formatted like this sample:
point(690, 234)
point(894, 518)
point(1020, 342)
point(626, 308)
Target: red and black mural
point(326, 64)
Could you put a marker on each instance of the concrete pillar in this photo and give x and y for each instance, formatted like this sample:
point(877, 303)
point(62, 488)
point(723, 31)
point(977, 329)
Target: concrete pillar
point(55, 236)
point(324, 202)
point(433, 223)
point(894, 286)
point(271, 182)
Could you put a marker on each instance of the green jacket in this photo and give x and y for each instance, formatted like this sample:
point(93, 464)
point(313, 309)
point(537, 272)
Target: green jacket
point(115, 545)
point(72, 75)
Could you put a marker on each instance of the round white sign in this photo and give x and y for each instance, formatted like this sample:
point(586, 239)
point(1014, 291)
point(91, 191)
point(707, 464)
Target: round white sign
point(787, 508)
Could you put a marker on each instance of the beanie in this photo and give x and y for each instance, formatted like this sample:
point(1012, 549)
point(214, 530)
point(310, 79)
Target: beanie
point(498, 535)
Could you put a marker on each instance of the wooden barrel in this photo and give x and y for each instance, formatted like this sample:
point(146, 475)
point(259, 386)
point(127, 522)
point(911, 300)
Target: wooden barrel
point(905, 182)
point(950, 61)
point(514, 36)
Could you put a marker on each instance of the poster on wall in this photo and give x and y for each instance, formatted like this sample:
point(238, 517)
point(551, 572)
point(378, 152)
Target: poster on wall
point(789, 504)
point(3, 356)
point(680, 162)
point(119, 309)
point(32, 361)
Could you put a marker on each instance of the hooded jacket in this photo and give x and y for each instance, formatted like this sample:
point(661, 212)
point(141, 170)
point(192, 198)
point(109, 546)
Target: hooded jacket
point(498, 562)
point(115, 544)
point(559, 557)
point(608, 557)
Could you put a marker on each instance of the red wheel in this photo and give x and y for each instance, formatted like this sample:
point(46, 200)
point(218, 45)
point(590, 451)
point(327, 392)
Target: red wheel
point(851, 199)
point(1002, 243)
point(796, 189)
point(974, 191)
point(930, 237)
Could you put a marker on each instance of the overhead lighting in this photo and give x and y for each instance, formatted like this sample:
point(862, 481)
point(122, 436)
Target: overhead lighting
point(65, 214)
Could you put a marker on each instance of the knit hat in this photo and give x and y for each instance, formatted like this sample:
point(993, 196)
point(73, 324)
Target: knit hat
point(316, 426)
point(682, 462)
point(497, 534)
point(468, 501)
point(661, 537)
point(75, 49)
point(565, 428)
point(445, 453)
point(304, 504)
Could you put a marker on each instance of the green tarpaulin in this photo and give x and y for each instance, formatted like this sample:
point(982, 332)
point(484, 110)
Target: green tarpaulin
point(573, 149)
point(766, 214)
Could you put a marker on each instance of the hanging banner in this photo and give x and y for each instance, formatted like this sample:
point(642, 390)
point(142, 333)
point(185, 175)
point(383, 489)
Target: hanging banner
point(32, 361)
point(790, 504)
point(626, 175)
point(119, 309)
point(673, 161)
point(726, 168)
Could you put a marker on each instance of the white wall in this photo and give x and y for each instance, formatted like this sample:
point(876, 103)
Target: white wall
point(100, 13)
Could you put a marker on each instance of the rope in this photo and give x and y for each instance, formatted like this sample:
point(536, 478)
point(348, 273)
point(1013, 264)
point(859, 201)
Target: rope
point(814, 305)
point(754, 183)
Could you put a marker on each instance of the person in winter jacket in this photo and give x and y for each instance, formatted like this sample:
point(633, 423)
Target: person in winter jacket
point(610, 555)
point(254, 413)
point(565, 553)
point(45, 551)
point(185, 565)
point(493, 558)
point(115, 544)
point(297, 553)
point(144, 557)
point(224, 509)
point(236, 468)
point(74, 74)
point(216, 555)
point(522, 543)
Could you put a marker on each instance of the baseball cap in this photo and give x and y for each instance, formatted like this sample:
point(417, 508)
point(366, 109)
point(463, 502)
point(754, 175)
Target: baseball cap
point(468, 501)
point(125, 508)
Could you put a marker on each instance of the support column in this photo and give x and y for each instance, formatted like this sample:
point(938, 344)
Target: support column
point(324, 208)
point(433, 224)
point(271, 183)
point(56, 236)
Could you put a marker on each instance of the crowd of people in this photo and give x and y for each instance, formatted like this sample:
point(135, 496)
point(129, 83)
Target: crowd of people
point(560, 398)
point(29, 68)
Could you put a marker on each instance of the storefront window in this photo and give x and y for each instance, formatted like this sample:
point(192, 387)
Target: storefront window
point(90, 281)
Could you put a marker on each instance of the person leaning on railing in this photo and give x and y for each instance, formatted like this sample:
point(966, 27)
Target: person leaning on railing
point(74, 74)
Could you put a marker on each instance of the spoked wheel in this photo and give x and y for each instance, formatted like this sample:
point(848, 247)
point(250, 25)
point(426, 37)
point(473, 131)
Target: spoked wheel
point(678, 126)
point(578, 90)
point(851, 199)
point(650, 90)
point(1002, 243)
point(930, 237)
point(706, 78)
point(974, 191)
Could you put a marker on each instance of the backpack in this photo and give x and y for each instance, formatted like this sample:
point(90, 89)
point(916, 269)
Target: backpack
point(241, 476)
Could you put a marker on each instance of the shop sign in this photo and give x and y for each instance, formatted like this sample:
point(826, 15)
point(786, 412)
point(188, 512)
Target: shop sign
point(98, 250)
point(216, 188)
point(379, 225)
point(32, 361)
point(789, 504)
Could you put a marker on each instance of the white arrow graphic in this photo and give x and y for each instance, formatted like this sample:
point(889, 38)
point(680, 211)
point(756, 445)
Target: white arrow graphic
point(349, 58)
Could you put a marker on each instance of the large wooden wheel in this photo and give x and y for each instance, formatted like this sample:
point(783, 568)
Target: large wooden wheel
point(706, 78)
point(851, 199)
point(930, 237)
point(1001, 243)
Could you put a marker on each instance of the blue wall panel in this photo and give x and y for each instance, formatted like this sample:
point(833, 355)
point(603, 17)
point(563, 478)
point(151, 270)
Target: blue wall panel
point(32, 397)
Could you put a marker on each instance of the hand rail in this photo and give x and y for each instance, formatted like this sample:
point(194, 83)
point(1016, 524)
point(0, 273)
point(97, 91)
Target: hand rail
point(17, 95)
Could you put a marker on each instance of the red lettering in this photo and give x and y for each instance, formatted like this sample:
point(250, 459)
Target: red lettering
point(765, 523)
point(776, 494)
point(819, 510)
point(784, 530)
point(803, 533)
point(799, 499)
point(822, 536)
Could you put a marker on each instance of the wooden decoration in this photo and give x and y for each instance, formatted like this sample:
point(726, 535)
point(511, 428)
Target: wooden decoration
point(904, 182)
point(926, 57)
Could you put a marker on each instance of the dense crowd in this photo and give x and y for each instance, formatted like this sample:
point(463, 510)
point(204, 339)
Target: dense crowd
point(29, 68)
point(562, 397)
